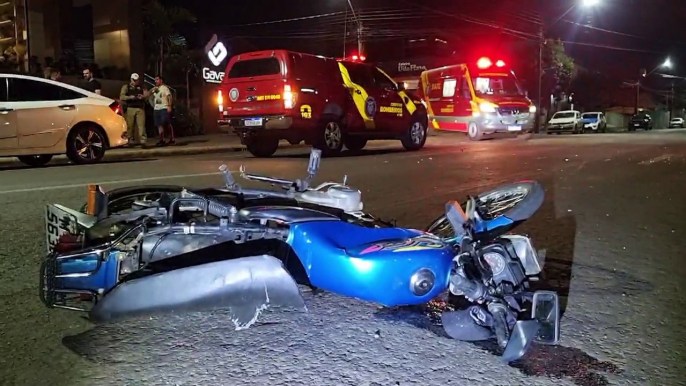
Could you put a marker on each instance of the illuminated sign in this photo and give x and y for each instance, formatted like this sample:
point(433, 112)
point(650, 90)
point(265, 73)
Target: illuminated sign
point(217, 54)
point(409, 67)
point(212, 76)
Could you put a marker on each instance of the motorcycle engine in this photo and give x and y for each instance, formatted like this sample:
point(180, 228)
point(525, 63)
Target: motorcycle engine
point(336, 196)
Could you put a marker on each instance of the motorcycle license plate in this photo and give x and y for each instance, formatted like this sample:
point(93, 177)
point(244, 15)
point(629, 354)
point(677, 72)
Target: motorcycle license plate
point(514, 128)
point(57, 224)
point(252, 122)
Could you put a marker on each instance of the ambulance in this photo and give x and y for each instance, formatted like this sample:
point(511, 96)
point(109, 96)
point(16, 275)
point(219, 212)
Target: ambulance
point(481, 99)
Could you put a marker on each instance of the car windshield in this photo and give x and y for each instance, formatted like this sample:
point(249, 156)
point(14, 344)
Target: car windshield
point(590, 116)
point(563, 115)
point(498, 85)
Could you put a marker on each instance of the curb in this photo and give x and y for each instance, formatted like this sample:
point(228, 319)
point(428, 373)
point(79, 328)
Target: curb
point(119, 154)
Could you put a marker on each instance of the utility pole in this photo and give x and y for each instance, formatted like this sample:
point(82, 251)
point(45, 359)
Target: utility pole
point(360, 44)
point(641, 74)
point(539, 108)
point(345, 30)
point(671, 102)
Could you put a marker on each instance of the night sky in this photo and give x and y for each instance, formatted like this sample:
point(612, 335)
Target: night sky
point(617, 37)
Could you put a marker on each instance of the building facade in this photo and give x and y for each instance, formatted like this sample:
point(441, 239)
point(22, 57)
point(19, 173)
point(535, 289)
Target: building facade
point(37, 33)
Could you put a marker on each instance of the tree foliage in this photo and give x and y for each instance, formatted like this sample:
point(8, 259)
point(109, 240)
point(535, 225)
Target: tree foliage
point(160, 29)
point(556, 60)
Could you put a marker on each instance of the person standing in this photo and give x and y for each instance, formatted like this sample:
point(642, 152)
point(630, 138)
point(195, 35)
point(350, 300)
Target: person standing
point(162, 104)
point(133, 96)
point(92, 84)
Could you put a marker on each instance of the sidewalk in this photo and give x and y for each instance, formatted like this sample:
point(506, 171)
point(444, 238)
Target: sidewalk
point(201, 144)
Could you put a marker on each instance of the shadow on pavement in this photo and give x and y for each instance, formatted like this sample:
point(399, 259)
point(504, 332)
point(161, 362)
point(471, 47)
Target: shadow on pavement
point(554, 237)
point(65, 163)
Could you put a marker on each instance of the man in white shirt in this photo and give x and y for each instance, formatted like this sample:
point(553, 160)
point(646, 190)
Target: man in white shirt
point(162, 104)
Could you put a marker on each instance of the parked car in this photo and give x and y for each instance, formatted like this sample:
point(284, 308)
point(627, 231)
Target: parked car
point(569, 120)
point(40, 118)
point(641, 121)
point(676, 122)
point(594, 121)
point(267, 96)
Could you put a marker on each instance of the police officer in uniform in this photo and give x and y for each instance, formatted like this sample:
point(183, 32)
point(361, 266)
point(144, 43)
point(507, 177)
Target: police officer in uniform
point(134, 96)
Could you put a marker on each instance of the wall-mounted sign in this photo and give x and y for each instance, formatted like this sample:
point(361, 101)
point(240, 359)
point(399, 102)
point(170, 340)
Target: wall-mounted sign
point(410, 67)
point(211, 76)
point(217, 54)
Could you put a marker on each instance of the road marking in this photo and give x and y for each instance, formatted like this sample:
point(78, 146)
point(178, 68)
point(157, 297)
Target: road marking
point(664, 157)
point(71, 186)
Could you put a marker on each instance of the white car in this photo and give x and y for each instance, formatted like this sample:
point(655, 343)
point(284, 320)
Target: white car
point(677, 122)
point(40, 118)
point(594, 121)
point(569, 120)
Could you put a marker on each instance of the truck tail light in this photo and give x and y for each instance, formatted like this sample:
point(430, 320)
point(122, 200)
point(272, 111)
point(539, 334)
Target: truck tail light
point(220, 100)
point(288, 97)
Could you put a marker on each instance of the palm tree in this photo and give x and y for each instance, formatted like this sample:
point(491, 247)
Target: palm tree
point(160, 30)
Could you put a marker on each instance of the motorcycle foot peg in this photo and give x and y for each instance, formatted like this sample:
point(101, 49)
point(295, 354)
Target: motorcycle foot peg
point(502, 332)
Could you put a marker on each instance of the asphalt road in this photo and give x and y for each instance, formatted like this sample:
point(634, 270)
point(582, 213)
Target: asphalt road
point(612, 227)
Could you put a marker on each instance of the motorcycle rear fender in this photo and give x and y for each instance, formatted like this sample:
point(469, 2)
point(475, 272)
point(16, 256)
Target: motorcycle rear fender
point(245, 286)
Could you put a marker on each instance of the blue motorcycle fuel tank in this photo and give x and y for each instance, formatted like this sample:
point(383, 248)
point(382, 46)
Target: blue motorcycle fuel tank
point(379, 265)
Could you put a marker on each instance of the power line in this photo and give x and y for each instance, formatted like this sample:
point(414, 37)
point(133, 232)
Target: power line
point(611, 47)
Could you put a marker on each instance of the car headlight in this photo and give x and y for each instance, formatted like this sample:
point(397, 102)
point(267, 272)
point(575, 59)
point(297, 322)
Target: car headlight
point(422, 282)
point(486, 107)
point(532, 109)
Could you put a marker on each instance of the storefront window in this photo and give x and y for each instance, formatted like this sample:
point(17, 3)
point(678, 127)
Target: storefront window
point(13, 47)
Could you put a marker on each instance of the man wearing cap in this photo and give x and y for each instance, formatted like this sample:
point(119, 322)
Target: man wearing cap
point(133, 96)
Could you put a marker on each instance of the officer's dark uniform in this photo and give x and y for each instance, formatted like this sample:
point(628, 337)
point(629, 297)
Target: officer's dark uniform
point(135, 111)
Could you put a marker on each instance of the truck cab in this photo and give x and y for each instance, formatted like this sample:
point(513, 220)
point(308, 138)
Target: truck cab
point(480, 99)
point(268, 96)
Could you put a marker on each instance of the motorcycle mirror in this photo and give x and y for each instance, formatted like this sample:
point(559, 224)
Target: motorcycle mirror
point(315, 160)
point(546, 310)
point(228, 178)
point(456, 217)
point(470, 212)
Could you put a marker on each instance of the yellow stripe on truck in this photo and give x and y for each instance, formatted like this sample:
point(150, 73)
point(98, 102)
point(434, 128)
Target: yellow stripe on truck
point(424, 82)
point(359, 95)
point(409, 104)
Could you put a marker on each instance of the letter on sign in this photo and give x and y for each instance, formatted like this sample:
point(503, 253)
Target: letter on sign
point(217, 54)
point(212, 76)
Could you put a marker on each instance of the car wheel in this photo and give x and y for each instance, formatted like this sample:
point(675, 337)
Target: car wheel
point(86, 145)
point(330, 137)
point(35, 160)
point(262, 147)
point(415, 138)
point(474, 132)
point(355, 144)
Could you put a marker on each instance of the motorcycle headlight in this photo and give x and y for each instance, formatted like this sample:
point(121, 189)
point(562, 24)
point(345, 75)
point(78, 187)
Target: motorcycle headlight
point(422, 282)
point(526, 253)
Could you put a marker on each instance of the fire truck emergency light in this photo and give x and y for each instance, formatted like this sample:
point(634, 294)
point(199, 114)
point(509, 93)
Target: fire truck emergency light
point(485, 62)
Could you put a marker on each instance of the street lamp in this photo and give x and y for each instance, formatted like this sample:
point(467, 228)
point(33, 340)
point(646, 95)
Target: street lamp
point(666, 64)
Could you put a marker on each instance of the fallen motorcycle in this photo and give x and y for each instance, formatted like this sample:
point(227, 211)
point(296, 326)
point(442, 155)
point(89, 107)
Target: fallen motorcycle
point(147, 250)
